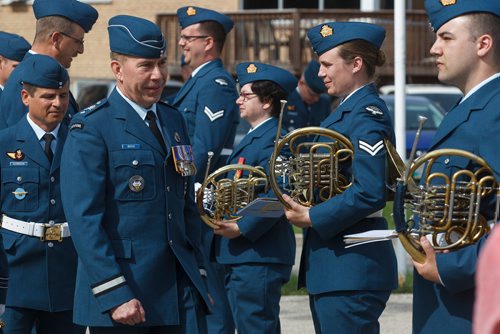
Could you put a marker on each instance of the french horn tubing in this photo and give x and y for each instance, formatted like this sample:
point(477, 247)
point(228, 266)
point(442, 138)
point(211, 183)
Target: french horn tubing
point(443, 208)
point(220, 197)
point(309, 172)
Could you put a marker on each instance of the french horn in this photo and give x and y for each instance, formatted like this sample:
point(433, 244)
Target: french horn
point(444, 208)
point(309, 172)
point(220, 197)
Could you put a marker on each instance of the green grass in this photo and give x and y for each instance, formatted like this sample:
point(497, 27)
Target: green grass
point(290, 288)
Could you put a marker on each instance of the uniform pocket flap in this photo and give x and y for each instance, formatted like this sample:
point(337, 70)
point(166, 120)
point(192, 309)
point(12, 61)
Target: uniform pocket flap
point(132, 158)
point(20, 175)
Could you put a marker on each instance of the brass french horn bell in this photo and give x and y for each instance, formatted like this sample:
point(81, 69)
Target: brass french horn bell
point(309, 172)
point(446, 209)
point(220, 197)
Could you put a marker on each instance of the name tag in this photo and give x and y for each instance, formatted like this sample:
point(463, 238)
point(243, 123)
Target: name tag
point(18, 163)
point(131, 146)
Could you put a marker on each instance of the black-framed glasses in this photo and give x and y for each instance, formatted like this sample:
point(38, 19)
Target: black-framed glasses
point(191, 38)
point(79, 41)
point(247, 96)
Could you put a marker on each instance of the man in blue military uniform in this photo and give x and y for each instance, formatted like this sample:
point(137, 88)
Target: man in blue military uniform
point(348, 288)
point(133, 219)
point(12, 50)
point(208, 103)
point(207, 99)
point(307, 104)
point(467, 51)
point(60, 29)
point(42, 259)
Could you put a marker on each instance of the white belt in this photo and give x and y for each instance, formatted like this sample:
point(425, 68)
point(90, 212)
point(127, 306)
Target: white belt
point(46, 232)
point(377, 214)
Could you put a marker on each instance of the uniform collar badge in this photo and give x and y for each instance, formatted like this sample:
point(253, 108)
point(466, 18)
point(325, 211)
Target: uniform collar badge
point(18, 155)
point(251, 68)
point(326, 30)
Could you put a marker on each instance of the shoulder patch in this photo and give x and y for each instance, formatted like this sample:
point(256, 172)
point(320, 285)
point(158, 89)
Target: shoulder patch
point(76, 126)
point(221, 81)
point(374, 110)
point(94, 107)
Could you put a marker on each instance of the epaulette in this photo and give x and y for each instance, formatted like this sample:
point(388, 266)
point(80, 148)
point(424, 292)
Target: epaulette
point(90, 110)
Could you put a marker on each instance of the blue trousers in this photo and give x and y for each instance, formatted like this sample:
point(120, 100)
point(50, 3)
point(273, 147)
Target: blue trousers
point(349, 312)
point(21, 321)
point(254, 292)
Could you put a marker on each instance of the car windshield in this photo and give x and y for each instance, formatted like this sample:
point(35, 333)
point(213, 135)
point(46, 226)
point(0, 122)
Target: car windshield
point(415, 108)
point(445, 101)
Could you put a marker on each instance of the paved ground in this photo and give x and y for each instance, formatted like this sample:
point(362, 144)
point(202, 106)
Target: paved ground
point(296, 317)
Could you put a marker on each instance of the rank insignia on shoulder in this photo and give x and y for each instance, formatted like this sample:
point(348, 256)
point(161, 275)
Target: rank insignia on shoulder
point(75, 126)
point(374, 110)
point(213, 115)
point(136, 183)
point(221, 82)
point(184, 160)
point(17, 155)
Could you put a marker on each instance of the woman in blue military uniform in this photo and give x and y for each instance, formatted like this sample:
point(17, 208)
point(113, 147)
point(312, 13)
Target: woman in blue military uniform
point(258, 253)
point(348, 288)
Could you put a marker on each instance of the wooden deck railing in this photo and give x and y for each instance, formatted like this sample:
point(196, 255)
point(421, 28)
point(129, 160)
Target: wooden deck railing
point(279, 38)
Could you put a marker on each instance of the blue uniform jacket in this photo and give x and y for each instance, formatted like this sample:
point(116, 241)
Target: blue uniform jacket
point(12, 108)
point(299, 115)
point(40, 276)
point(208, 103)
point(262, 240)
point(129, 242)
point(474, 126)
point(326, 265)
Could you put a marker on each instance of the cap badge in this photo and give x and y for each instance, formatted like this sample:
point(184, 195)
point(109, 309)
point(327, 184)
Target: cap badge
point(448, 2)
point(191, 11)
point(17, 155)
point(326, 30)
point(251, 68)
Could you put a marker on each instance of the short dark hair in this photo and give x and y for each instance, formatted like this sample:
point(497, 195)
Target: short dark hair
point(30, 89)
point(372, 57)
point(486, 23)
point(270, 92)
point(45, 26)
point(216, 31)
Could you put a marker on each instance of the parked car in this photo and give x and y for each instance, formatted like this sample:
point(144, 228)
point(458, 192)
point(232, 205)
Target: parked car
point(445, 97)
point(418, 106)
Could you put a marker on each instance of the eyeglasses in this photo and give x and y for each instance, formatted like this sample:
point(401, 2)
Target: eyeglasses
point(79, 41)
point(246, 96)
point(189, 39)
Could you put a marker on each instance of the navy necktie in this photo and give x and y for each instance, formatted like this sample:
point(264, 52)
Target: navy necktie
point(151, 118)
point(48, 138)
